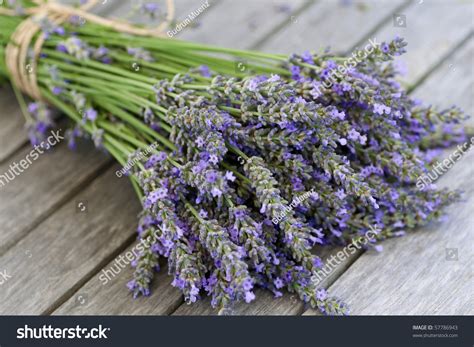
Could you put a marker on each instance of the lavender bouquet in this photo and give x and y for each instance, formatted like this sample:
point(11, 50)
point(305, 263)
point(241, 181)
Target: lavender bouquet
point(233, 148)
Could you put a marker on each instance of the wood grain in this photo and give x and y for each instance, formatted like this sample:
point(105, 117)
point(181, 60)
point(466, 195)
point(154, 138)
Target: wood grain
point(112, 298)
point(434, 29)
point(332, 23)
point(127, 10)
point(452, 83)
point(12, 133)
point(64, 251)
point(46, 184)
point(240, 24)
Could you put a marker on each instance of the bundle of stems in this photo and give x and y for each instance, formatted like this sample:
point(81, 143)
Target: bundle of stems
point(244, 160)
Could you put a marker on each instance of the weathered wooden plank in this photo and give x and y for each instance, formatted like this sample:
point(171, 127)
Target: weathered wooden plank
point(128, 10)
point(239, 24)
point(12, 134)
point(69, 247)
point(433, 30)
point(331, 23)
point(415, 274)
point(227, 23)
point(110, 297)
point(453, 82)
point(42, 187)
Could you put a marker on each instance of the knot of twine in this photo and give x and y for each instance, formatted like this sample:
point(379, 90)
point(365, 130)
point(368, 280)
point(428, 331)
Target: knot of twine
point(16, 53)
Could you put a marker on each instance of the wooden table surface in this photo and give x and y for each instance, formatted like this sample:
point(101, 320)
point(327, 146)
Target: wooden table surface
point(55, 252)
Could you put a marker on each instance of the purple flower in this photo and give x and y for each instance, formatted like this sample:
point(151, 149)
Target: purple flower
point(211, 176)
point(331, 64)
point(156, 195)
point(33, 107)
point(161, 156)
point(57, 90)
point(239, 214)
point(229, 176)
point(132, 284)
point(340, 194)
point(200, 142)
point(317, 262)
point(213, 159)
point(278, 283)
point(61, 48)
point(204, 71)
point(337, 114)
point(307, 57)
point(41, 127)
point(150, 9)
point(252, 84)
point(90, 114)
point(321, 294)
point(216, 192)
point(344, 141)
point(247, 285)
point(155, 159)
point(381, 109)
point(373, 202)
point(295, 72)
point(353, 135)
point(274, 78)
point(346, 87)
point(60, 31)
point(249, 296)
